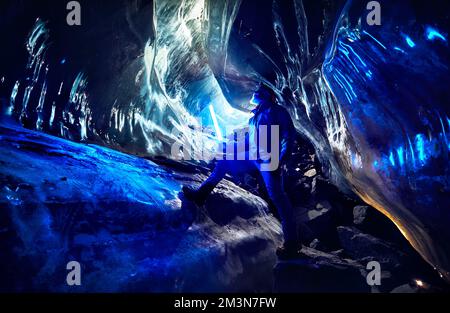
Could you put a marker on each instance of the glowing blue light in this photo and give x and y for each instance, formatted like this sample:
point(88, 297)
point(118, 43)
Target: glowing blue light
point(347, 83)
point(356, 54)
point(444, 133)
point(399, 49)
point(420, 146)
point(216, 124)
point(412, 152)
point(63, 61)
point(401, 159)
point(433, 34)
point(346, 53)
point(375, 164)
point(376, 40)
point(342, 86)
point(391, 159)
point(410, 42)
point(254, 100)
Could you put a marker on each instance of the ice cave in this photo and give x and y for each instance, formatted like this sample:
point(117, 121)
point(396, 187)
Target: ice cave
point(90, 113)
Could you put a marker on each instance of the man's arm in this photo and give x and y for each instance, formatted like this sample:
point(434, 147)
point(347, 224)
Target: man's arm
point(287, 134)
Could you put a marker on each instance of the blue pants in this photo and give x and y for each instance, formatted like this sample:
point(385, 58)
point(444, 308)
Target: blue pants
point(274, 185)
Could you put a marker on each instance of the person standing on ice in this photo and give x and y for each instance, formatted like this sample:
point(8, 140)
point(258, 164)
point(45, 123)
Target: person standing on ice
point(268, 157)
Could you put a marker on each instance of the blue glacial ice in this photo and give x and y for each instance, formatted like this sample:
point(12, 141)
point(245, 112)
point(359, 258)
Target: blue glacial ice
point(122, 218)
point(371, 100)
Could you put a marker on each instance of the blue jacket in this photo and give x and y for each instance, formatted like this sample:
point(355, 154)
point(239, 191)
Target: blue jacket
point(273, 114)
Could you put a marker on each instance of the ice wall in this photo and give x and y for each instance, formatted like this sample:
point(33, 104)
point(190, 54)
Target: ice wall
point(391, 83)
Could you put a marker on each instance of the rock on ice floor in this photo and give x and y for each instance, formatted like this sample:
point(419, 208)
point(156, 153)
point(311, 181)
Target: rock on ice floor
point(122, 218)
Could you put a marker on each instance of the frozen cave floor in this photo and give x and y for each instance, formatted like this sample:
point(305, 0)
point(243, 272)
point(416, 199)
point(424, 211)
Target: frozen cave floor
point(124, 220)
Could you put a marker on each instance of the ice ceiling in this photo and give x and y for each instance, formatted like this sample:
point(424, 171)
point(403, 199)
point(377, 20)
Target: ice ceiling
point(373, 100)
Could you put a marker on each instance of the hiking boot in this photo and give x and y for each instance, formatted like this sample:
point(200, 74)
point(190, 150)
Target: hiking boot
point(195, 195)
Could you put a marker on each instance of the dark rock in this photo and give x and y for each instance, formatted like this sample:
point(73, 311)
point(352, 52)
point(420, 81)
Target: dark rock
point(371, 221)
point(360, 214)
point(316, 244)
point(320, 272)
point(324, 206)
point(419, 286)
point(399, 263)
point(321, 186)
point(321, 221)
point(310, 173)
point(367, 248)
point(305, 233)
point(321, 213)
point(406, 288)
point(340, 253)
point(299, 193)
